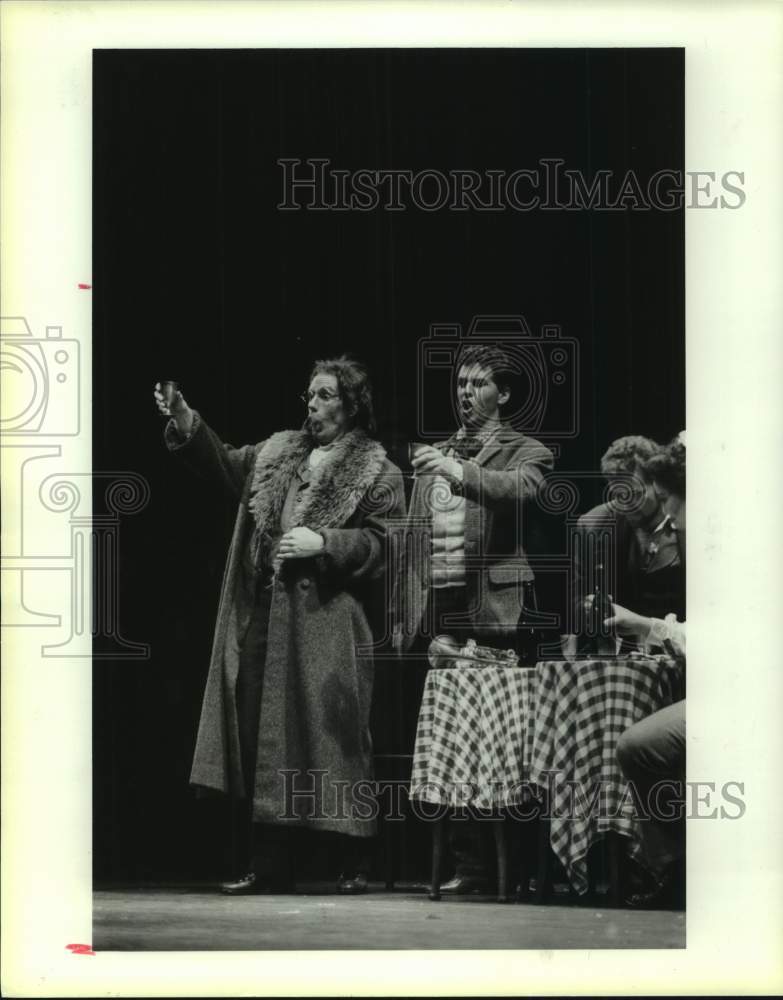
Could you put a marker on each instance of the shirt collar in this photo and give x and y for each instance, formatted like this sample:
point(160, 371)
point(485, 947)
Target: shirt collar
point(483, 434)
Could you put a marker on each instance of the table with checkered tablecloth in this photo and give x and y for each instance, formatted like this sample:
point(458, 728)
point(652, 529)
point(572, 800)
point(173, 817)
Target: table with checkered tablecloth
point(581, 710)
point(473, 739)
point(486, 735)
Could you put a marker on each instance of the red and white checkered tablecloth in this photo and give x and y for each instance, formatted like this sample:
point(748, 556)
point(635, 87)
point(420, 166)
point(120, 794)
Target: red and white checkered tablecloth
point(473, 739)
point(581, 710)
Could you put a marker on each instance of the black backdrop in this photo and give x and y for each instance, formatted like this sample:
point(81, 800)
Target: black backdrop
point(198, 276)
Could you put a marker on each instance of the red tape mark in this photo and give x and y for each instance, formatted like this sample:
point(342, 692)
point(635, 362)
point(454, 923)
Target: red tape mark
point(80, 949)
point(80, 285)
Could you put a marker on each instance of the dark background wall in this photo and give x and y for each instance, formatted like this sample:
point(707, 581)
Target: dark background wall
point(198, 276)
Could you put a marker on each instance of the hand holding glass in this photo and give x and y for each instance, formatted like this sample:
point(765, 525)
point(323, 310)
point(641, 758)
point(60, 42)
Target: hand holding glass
point(167, 395)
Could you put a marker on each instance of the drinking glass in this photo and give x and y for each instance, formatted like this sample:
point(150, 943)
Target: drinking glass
point(413, 449)
point(169, 390)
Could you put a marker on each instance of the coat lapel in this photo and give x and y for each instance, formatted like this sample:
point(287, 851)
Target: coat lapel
point(496, 444)
point(275, 467)
point(336, 486)
point(478, 519)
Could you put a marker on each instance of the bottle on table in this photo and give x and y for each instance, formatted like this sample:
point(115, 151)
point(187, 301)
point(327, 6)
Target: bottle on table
point(602, 639)
point(528, 638)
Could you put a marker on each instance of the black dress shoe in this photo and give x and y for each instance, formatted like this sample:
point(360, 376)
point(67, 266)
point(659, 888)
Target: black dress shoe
point(666, 893)
point(352, 885)
point(464, 885)
point(252, 884)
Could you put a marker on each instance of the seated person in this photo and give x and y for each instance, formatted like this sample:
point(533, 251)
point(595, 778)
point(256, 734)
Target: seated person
point(642, 541)
point(652, 752)
point(652, 757)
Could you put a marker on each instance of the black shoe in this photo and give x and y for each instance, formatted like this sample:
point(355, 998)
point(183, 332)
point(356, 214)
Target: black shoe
point(464, 885)
point(352, 885)
point(666, 893)
point(527, 888)
point(252, 884)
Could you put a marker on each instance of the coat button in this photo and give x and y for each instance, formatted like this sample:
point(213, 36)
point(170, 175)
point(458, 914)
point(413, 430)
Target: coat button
point(304, 584)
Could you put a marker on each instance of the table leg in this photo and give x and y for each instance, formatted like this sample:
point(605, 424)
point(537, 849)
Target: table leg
point(543, 870)
point(388, 849)
point(525, 840)
point(615, 850)
point(437, 853)
point(499, 830)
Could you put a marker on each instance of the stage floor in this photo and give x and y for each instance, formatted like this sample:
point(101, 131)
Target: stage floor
point(201, 919)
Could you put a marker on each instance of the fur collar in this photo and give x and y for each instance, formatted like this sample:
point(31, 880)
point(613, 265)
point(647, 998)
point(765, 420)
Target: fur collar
point(336, 485)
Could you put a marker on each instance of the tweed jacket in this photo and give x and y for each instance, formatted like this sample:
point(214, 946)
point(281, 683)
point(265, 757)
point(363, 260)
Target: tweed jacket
point(499, 486)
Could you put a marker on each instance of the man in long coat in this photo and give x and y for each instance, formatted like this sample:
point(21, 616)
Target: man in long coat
point(285, 716)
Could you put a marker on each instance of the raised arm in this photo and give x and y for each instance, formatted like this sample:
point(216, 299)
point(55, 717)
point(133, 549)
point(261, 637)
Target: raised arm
point(189, 436)
point(518, 481)
point(524, 467)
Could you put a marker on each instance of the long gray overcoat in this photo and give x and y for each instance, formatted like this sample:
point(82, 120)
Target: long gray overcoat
point(314, 745)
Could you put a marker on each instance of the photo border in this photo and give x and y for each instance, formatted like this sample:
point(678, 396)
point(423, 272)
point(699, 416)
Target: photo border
point(734, 259)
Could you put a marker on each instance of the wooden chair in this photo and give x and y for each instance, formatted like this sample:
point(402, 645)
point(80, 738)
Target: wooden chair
point(499, 831)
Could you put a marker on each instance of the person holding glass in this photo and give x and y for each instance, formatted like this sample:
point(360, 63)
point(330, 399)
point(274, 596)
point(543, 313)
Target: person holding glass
point(285, 717)
point(474, 509)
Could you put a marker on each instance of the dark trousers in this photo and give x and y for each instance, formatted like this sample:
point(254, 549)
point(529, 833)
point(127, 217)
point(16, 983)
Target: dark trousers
point(652, 756)
point(269, 849)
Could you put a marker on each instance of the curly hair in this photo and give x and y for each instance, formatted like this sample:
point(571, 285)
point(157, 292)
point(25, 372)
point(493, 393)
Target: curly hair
point(629, 454)
point(668, 467)
point(353, 382)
